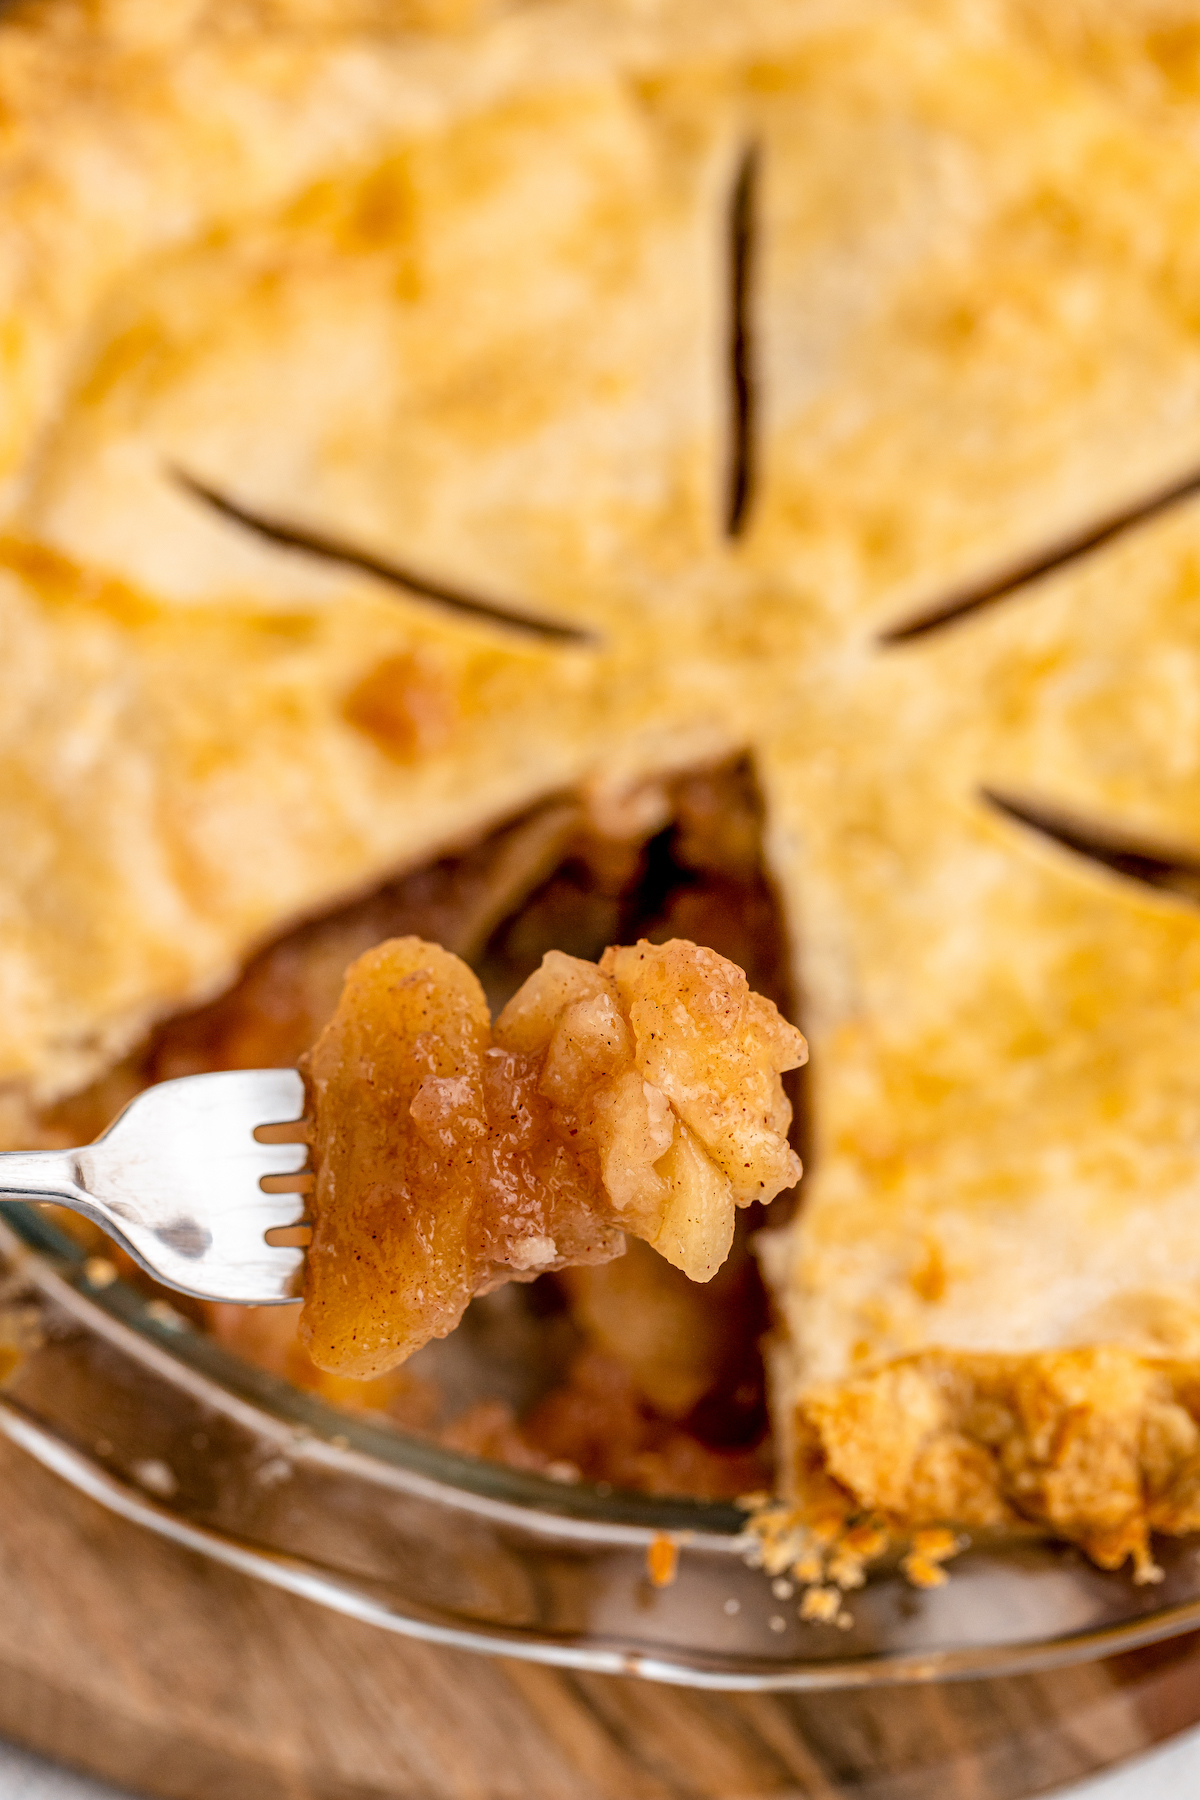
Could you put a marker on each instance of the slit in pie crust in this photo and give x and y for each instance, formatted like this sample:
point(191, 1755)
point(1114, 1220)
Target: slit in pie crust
point(501, 298)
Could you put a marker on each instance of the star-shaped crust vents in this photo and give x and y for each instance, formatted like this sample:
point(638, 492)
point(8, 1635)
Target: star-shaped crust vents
point(408, 416)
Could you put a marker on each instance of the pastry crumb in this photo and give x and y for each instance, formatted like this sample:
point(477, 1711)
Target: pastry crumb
point(156, 1476)
point(662, 1560)
point(163, 1313)
point(820, 1605)
point(929, 1550)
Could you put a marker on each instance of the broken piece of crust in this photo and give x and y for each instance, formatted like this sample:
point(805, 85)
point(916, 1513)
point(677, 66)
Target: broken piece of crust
point(1099, 1444)
point(639, 1095)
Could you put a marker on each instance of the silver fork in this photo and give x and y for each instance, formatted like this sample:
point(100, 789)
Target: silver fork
point(176, 1180)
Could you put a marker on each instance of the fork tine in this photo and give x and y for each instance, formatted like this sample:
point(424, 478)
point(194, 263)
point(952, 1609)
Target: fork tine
point(279, 1159)
point(275, 1095)
point(177, 1177)
point(280, 1265)
point(280, 1210)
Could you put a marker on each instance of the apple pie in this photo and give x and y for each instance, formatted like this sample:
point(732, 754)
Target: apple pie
point(425, 416)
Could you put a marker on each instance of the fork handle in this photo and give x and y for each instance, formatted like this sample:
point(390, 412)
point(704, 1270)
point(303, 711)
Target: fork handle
point(43, 1175)
point(57, 1175)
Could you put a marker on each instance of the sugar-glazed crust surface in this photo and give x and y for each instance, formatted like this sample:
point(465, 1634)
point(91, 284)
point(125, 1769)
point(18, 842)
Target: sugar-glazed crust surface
point(313, 267)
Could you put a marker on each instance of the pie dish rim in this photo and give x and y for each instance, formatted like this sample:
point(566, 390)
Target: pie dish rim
point(544, 1527)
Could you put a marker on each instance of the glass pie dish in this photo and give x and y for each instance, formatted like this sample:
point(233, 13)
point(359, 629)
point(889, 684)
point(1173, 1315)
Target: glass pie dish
point(122, 1397)
point(781, 415)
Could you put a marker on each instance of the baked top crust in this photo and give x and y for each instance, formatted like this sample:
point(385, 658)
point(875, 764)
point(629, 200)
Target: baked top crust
point(290, 260)
point(359, 297)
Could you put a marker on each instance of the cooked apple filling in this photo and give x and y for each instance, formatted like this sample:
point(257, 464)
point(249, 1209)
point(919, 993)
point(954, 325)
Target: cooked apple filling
point(641, 1095)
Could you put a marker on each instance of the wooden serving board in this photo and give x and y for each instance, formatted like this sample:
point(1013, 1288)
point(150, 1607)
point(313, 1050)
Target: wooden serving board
point(162, 1672)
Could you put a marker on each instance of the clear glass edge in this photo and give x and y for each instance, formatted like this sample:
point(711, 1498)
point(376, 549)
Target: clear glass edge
point(497, 1491)
point(292, 1407)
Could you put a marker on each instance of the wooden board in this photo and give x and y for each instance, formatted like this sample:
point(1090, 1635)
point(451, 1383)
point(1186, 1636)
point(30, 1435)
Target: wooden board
point(146, 1665)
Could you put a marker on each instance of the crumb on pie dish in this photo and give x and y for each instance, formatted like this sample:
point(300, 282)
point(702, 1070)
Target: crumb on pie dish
point(383, 500)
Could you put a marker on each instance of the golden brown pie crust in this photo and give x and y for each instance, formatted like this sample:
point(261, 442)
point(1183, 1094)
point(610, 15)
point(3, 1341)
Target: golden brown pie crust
point(357, 296)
